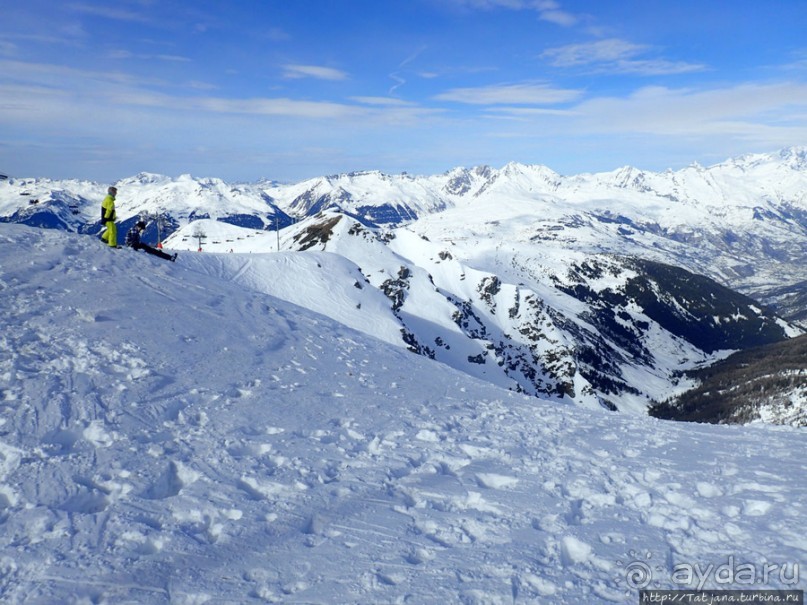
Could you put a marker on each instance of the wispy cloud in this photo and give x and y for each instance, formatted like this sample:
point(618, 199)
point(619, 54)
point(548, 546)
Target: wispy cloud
point(293, 71)
point(70, 79)
point(488, 4)
point(15, 43)
point(665, 110)
point(798, 63)
point(615, 55)
point(7, 48)
point(276, 34)
point(548, 10)
point(199, 85)
point(654, 126)
point(592, 52)
point(657, 67)
point(526, 113)
point(765, 115)
point(118, 89)
point(109, 12)
point(39, 89)
point(382, 101)
point(125, 54)
point(511, 94)
point(364, 111)
point(267, 107)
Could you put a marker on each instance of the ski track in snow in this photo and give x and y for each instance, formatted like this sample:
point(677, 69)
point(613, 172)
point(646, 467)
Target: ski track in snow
point(166, 439)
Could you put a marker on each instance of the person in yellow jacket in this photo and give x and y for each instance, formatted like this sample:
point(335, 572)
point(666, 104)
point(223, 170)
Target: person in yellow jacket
point(108, 216)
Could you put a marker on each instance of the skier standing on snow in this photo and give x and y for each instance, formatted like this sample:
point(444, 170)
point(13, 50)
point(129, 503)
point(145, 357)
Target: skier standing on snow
point(108, 216)
point(133, 241)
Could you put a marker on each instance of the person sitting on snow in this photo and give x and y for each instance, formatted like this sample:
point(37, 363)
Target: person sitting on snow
point(133, 241)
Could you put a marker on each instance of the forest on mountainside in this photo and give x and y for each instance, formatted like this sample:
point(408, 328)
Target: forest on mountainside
point(732, 391)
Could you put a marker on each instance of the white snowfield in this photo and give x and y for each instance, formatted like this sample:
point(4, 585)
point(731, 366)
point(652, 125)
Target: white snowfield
point(168, 436)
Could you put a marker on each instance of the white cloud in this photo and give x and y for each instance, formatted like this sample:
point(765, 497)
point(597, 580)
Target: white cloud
point(693, 121)
point(313, 71)
point(199, 85)
point(51, 92)
point(70, 79)
point(269, 107)
point(559, 18)
point(548, 10)
point(592, 52)
point(125, 54)
point(275, 34)
point(798, 63)
point(109, 12)
point(615, 56)
point(656, 67)
point(7, 48)
point(752, 111)
point(531, 112)
point(490, 4)
point(510, 94)
point(382, 101)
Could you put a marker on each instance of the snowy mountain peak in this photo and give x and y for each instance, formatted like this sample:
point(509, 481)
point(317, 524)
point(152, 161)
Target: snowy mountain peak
point(789, 158)
point(465, 182)
point(145, 178)
point(795, 157)
point(629, 177)
point(531, 171)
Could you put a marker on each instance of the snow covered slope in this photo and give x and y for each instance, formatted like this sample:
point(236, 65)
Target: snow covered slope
point(593, 329)
point(167, 438)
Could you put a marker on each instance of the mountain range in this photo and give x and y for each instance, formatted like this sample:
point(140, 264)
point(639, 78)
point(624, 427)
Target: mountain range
point(601, 290)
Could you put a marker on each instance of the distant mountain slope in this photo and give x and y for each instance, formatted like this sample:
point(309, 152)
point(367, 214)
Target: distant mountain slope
point(766, 383)
point(692, 307)
point(788, 300)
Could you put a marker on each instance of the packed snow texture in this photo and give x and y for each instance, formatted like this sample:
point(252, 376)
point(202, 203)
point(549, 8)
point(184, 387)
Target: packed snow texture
point(167, 437)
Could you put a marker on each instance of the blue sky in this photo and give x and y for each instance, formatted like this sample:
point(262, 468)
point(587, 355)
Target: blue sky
point(293, 89)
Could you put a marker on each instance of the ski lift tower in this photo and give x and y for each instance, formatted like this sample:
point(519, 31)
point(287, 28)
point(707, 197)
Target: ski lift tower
point(199, 235)
point(160, 220)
